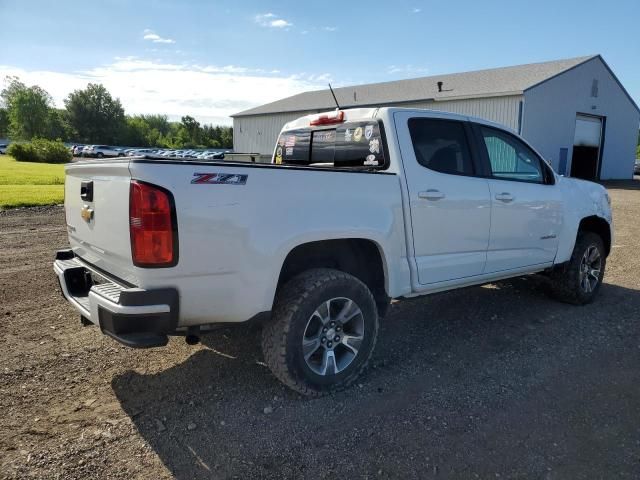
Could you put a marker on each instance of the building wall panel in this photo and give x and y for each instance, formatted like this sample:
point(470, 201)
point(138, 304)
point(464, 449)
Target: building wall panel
point(549, 118)
point(503, 110)
point(258, 133)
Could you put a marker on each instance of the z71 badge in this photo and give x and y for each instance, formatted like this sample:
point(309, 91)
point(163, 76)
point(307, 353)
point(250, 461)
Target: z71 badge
point(219, 178)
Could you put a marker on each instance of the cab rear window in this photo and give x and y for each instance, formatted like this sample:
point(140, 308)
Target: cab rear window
point(349, 145)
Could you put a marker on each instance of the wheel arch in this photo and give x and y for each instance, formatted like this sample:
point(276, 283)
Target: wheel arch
point(577, 224)
point(361, 257)
point(600, 227)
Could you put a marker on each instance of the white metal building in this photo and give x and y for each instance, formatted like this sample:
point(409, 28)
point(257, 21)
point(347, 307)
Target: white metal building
point(575, 111)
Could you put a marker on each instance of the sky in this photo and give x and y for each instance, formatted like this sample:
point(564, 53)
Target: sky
point(211, 59)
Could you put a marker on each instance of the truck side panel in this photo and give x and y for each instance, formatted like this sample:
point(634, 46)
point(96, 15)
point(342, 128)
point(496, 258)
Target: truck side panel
point(235, 236)
point(581, 199)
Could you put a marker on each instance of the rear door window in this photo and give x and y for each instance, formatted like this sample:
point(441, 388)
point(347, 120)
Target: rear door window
point(349, 145)
point(441, 145)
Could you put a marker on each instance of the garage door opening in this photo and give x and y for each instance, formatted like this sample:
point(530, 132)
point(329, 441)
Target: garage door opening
point(587, 146)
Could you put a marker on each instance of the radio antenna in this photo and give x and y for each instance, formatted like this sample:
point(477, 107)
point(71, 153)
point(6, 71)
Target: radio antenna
point(334, 98)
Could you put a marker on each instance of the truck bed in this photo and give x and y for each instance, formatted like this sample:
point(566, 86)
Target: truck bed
point(236, 223)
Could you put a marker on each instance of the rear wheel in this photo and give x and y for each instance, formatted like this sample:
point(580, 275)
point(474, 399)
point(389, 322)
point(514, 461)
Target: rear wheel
point(322, 333)
point(100, 155)
point(579, 281)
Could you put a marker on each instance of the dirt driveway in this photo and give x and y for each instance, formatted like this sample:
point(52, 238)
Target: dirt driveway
point(488, 382)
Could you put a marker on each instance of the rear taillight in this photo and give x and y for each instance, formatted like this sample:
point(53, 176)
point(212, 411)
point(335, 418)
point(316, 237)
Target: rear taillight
point(153, 226)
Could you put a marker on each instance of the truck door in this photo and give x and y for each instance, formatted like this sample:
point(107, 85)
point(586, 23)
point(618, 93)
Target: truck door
point(450, 206)
point(526, 214)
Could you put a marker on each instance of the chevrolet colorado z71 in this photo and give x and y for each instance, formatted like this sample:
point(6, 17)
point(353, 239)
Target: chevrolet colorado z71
point(357, 207)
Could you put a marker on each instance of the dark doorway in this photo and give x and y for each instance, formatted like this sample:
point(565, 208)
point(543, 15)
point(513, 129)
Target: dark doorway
point(587, 146)
point(585, 162)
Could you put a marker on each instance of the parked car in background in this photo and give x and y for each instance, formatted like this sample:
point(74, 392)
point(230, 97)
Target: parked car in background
point(636, 167)
point(388, 203)
point(76, 150)
point(3, 148)
point(139, 151)
point(101, 151)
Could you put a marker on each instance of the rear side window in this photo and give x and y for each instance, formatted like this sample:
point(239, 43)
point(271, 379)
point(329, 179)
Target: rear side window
point(349, 145)
point(441, 145)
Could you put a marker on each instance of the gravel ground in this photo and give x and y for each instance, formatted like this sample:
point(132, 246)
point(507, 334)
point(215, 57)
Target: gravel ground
point(488, 382)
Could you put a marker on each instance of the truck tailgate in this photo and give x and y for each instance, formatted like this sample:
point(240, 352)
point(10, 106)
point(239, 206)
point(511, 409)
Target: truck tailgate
point(97, 215)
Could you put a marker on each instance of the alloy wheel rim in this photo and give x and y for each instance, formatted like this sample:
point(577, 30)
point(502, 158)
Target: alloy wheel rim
point(333, 336)
point(590, 269)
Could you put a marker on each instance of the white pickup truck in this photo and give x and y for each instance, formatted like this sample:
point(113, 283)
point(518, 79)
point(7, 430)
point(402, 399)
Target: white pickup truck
point(358, 207)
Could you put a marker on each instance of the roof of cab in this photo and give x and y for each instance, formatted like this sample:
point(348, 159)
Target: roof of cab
point(363, 114)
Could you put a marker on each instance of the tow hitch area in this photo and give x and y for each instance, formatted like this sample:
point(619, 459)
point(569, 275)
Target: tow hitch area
point(133, 316)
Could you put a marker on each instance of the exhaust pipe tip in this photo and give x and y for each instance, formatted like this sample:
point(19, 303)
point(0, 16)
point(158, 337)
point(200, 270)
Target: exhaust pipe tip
point(192, 339)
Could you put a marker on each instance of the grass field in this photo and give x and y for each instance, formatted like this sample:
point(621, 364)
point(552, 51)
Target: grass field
point(24, 184)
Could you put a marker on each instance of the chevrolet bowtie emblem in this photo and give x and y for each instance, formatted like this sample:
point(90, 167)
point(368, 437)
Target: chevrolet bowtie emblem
point(86, 213)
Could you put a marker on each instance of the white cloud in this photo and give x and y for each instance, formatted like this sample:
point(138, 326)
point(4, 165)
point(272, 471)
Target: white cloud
point(280, 23)
point(330, 29)
point(155, 38)
point(271, 20)
point(210, 93)
point(416, 10)
point(323, 77)
point(407, 70)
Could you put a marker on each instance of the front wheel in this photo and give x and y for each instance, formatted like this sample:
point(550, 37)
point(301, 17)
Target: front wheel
point(322, 332)
point(580, 279)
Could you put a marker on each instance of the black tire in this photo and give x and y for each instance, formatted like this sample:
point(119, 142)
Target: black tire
point(295, 305)
point(100, 155)
point(568, 282)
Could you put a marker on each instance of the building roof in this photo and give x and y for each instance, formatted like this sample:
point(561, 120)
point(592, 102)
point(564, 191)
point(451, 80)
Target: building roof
point(481, 83)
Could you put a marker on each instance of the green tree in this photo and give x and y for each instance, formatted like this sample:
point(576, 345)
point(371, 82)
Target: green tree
point(190, 131)
point(58, 125)
point(4, 123)
point(217, 136)
point(158, 122)
point(136, 132)
point(28, 110)
point(226, 140)
point(95, 115)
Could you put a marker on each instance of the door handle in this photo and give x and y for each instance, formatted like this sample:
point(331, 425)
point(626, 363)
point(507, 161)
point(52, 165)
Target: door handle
point(505, 197)
point(431, 194)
